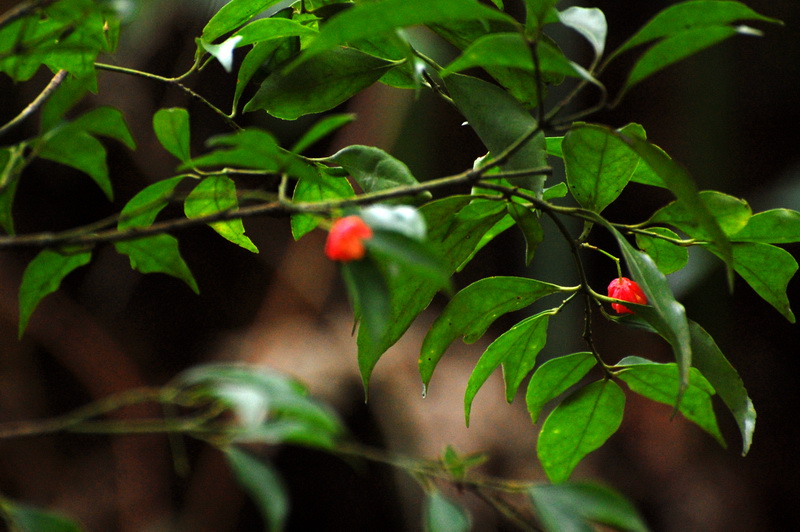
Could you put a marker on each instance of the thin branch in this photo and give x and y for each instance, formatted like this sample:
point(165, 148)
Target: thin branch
point(22, 10)
point(36, 103)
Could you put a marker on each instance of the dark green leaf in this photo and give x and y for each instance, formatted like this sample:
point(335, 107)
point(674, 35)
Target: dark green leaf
point(319, 84)
point(661, 382)
point(68, 94)
point(668, 257)
point(531, 228)
point(598, 165)
point(157, 254)
point(708, 358)
point(555, 377)
point(579, 425)
point(172, 130)
point(473, 310)
point(370, 296)
point(413, 255)
point(233, 15)
point(777, 226)
point(329, 187)
point(443, 515)
point(516, 350)
point(537, 14)
point(263, 53)
point(43, 276)
point(322, 129)
point(731, 214)
point(374, 169)
point(26, 518)
point(768, 270)
point(80, 150)
point(217, 194)
point(263, 485)
point(571, 506)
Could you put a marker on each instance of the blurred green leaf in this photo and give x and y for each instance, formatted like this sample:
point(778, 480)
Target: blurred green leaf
point(24, 518)
point(374, 169)
point(531, 228)
point(172, 130)
point(319, 84)
point(708, 358)
point(516, 350)
point(213, 195)
point(43, 276)
point(78, 149)
point(264, 486)
point(370, 296)
point(661, 383)
point(328, 187)
point(598, 165)
point(413, 255)
point(537, 14)
point(444, 515)
point(457, 465)
point(573, 506)
point(668, 257)
point(555, 377)
point(776, 226)
point(473, 310)
point(730, 213)
point(579, 425)
point(232, 15)
point(321, 129)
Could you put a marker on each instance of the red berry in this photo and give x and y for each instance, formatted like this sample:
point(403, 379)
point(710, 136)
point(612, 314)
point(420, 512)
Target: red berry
point(346, 239)
point(626, 290)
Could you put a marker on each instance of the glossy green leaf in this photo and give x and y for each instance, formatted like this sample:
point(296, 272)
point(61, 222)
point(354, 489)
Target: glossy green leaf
point(43, 276)
point(266, 29)
point(24, 518)
point(573, 506)
point(107, 122)
point(370, 296)
point(661, 383)
point(500, 121)
point(233, 15)
point(598, 165)
point(253, 65)
point(374, 169)
point(407, 74)
point(768, 270)
point(579, 425)
point(689, 16)
point(516, 350)
point(329, 187)
point(78, 149)
point(453, 231)
point(264, 486)
point(473, 310)
point(589, 22)
point(172, 130)
point(708, 358)
point(776, 226)
point(730, 213)
point(668, 257)
point(370, 19)
point(555, 377)
point(531, 228)
point(443, 515)
point(683, 187)
point(319, 84)
point(321, 129)
point(157, 254)
point(213, 195)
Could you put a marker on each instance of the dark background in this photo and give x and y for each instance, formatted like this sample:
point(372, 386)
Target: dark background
point(729, 115)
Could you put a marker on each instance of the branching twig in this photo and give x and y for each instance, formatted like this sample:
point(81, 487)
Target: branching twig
point(36, 103)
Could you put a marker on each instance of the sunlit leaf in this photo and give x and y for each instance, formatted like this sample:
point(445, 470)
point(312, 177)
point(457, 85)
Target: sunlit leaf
point(555, 377)
point(266, 29)
point(730, 213)
point(232, 15)
point(776, 226)
point(213, 195)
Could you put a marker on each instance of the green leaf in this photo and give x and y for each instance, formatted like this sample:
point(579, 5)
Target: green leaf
point(261, 55)
point(78, 149)
point(531, 228)
point(172, 130)
point(370, 296)
point(321, 129)
point(453, 232)
point(443, 515)
point(516, 350)
point(768, 270)
point(572, 506)
point(537, 14)
point(69, 93)
point(731, 215)
point(668, 257)
point(661, 383)
point(142, 209)
point(555, 377)
point(157, 254)
point(500, 121)
point(598, 165)
point(690, 16)
point(329, 187)
point(708, 358)
point(589, 22)
point(107, 122)
point(213, 195)
point(232, 15)
point(374, 169)
point(365, 20)
point(504, 223)
point(579, 425)
point(267, 29)
point(43, 276)
point(319, 84)
point(24, 518)
point(263, 485)
point(473, 310)
point(777, 226)
point(413, 255)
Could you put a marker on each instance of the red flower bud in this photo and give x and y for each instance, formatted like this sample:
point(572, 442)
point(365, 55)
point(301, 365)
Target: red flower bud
point(346, 239)
point(626, 290)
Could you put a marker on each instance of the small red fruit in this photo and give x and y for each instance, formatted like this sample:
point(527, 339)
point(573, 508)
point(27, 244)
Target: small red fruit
point(626, 290)
point(346, 239)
